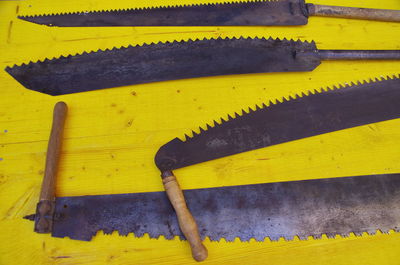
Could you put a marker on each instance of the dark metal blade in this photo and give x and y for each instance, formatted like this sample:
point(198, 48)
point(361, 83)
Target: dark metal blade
point(285, 12)
point(165, 61)
point(295, 119)
point(300, 208)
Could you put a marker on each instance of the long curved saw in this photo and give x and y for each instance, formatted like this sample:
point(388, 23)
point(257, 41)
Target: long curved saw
point(252, 13)
point(179, 60)
point(294, 118)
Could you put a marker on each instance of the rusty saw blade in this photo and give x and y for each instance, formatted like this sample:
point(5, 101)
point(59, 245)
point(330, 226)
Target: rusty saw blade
point(177, 60)
point(333, 206)
point(295, 118)
point(252, 13)
point(225, 14)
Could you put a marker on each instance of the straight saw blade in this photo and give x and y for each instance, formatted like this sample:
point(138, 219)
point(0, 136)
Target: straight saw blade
point(165, 61)
point(334, 206)
point(295, 118)
point(256, 13)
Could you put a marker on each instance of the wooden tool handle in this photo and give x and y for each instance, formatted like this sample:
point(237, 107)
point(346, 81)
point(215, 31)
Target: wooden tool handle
point(186, 221)
point(45, 207)
point(354, 12)
point(53, 152)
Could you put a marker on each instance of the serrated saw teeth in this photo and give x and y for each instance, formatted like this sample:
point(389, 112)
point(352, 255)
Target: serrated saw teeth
point(159, 62)
point(162, 7)
point(294, 98)
point(263, 212)
point(214, 14)
point(321, 111)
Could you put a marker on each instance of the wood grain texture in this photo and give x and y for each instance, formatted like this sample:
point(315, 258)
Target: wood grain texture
point(354, 13)
point(45, 208)
point(48, 189)
point(112, 136)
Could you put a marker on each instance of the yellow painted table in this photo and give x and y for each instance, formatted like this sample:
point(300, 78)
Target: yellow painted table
point(111, 136)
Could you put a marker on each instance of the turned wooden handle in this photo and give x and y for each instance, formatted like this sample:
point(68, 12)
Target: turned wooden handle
point(186, 221)
point(53, 152)
point(354, 12)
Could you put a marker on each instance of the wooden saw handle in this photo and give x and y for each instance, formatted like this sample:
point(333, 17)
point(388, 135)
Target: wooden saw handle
point(354, 12)
point(45, 207)
point(186, 221)
point(53, 152)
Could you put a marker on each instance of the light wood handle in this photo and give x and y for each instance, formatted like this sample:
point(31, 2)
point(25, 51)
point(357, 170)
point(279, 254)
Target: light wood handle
point(354, 12)
point(53, 152)
point(186, 221)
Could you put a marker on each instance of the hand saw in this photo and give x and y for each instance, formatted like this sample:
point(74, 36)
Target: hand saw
point(299, 117)
point(333, 206)
point(295, 117)
point(252, 13)
point(179, 60)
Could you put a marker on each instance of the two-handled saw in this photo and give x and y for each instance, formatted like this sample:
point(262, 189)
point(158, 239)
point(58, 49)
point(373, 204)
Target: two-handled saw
point(292, 119)
point(252, 13)
point(179, 60)
point(330, 206)
point(334, 206)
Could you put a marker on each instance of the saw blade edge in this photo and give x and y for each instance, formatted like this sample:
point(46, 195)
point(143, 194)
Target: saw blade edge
point(161, 43)
point(282, 100)
point(327, 235)
point(145, 8)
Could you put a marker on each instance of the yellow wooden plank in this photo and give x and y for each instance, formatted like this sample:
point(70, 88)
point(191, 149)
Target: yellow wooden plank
point(112, 136)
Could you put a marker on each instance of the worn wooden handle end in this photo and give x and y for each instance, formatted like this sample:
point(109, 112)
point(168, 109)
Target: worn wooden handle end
point(45, 207)
point(354, 13)
point(186, 221)
point(53, 151)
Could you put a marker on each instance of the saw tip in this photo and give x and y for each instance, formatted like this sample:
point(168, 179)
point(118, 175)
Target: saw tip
point(30, 217)
point(36, 20)
point(164, 159)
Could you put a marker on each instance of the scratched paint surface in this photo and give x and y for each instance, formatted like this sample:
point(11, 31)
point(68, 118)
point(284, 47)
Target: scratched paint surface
point(111, 137)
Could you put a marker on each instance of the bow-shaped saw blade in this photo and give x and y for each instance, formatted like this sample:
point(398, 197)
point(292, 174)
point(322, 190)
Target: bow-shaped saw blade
point(178, 60)
point(300, 117)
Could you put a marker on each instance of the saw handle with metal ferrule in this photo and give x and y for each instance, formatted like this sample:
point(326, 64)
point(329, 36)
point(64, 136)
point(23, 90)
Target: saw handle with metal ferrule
point(186, 221)
point(46, 205)
point(354, 13)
